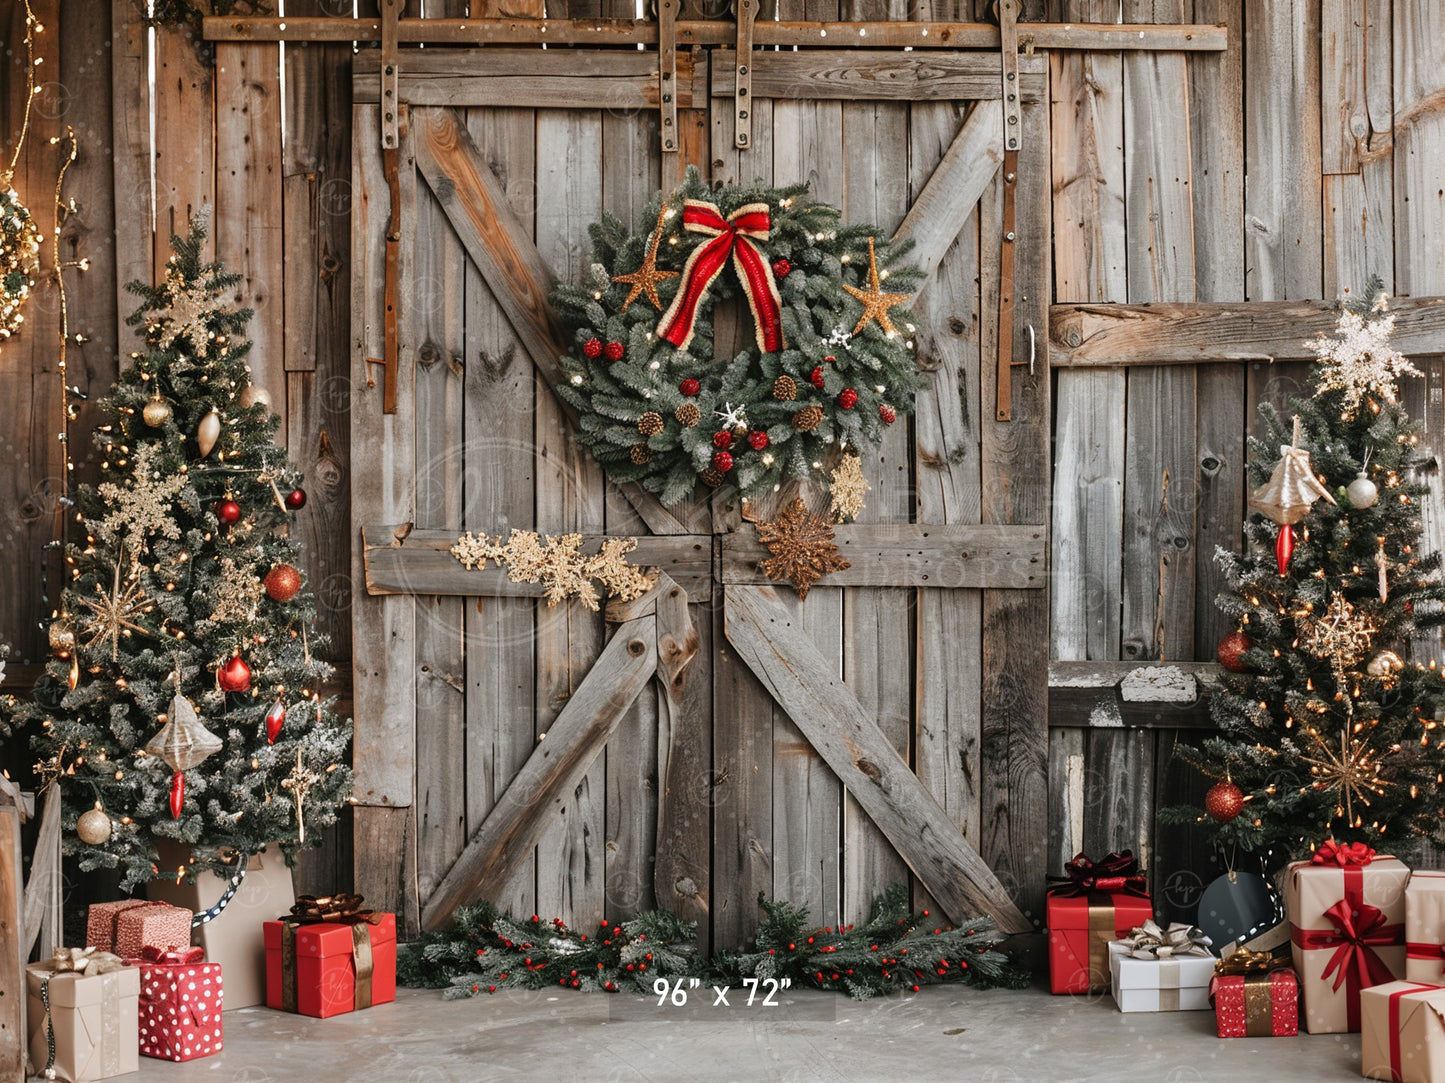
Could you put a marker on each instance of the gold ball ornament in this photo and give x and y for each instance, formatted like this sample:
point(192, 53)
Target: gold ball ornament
point(254, 396)
point(94, 827)
point(62, 637)
point(156, 412)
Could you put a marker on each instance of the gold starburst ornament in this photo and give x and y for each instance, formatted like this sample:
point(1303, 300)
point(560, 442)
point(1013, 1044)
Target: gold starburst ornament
point(116, 614)
point(1352, 769)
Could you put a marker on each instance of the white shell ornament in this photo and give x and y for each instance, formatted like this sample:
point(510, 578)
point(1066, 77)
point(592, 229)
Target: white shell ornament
point(208, 432)
point(1362, 492)
point(1384, 663)
point(1287, 495)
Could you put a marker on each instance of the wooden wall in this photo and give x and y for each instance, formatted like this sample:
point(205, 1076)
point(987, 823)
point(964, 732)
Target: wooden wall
point(1292, 166)
point(1328, 109)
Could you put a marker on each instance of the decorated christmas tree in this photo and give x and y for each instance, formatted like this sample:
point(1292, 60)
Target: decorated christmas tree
point(1325, 728)
point(182, 701)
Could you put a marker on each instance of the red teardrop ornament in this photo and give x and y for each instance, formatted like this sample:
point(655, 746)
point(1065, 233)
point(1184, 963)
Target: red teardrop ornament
point(1284, 547)
point(274, 719)
point(178, 794)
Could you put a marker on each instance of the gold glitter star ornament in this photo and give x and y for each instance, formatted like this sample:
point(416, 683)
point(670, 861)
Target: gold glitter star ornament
point(802, 547)
point(645, 278)
point(876, 303)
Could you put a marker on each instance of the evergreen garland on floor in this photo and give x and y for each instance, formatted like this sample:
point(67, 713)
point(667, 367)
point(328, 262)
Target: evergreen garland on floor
point(483, 951)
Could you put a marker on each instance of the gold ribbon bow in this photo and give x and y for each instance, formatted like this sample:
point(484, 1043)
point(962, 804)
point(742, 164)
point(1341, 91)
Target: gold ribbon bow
point(1248, 962)
point(84, 961)
point(343, 908)
point(1149, 941)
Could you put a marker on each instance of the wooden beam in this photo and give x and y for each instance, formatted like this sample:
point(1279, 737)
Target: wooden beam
point(1103, 708)
point(544, 784)
point(681, 859)
point(848, 74)
point(1187, 334)
point(1207, 675)
point(913, 555)
point(1154, 695)
point(401, 561)
point(12, 957)
point(531, 78)
point(953, 190)
point(850, 742)
point(502, 249)
point(1112, 37)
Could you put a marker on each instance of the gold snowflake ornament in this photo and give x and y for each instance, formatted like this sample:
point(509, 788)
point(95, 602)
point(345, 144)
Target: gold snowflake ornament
point(1359, 359)
point(146, 507)
point(1341, 636)
point(1353, 770)
point(802, 547)
point(238, 596)
point(190, 307)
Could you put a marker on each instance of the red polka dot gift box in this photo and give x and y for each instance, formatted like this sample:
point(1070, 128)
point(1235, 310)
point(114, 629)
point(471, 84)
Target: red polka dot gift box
point(329, 956)
point(1255, 995)
point(180, 1004)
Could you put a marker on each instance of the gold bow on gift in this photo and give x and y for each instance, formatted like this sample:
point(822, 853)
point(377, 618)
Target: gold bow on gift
point(84, 961)
point(1250, 962)
point(343, 908)
point(1148, 941)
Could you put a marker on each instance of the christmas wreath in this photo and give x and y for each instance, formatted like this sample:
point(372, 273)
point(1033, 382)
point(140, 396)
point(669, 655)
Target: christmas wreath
point(828, 366)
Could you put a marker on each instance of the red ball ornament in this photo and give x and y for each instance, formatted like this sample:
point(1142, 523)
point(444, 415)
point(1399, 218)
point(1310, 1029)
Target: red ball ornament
point(296, 499)
point(847, 398)
point(722, 462)
point(234, 675)
point(722, 439)
point(1231, 651)
point(275, 719)
point(757, 439)
point(888, 414)
point(282, 583)
point(614, 351)
point(1224, 801)
point(228, 512)
point(781, 267)
point(592, 349)
point(817, 377)
point(689, 387)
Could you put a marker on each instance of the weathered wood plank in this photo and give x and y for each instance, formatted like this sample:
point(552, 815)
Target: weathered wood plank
point(765, 637)
point(13, 1040)
point(1283, 224)
point(592, 31)
point(510, 263)
point(541, 790)
point(530, 78)
point(383, 490)
point(130, 156)
point(1066, 796)
point(1106, 674)
point(1186, 334)
point(249, 226)
point(1095, 708)
point(924, 555)
point(681, 870)
point(847, 75)
point(420, 562)
point(385, 870)
point(946, 202)
point(1015, 478)
point(1419, 148)
point(1119, 792)
point(185, 140)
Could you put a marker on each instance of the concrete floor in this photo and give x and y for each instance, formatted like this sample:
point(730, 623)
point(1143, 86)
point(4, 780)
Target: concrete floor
point(938, 1034)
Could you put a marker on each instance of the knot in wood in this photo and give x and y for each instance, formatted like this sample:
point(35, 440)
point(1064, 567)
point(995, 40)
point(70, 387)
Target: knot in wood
point(636, 647)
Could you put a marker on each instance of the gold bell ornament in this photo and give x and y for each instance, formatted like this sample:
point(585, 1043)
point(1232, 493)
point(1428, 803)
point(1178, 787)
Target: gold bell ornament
point(1286, 497)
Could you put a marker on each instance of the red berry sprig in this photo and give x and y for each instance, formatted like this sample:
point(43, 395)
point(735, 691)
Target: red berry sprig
point(757, 439)
point(847, 398)
point(722, 462)
point(592, 349)
point(689, 387)
point(614, 351)
point(781, 267)
point(722, 439)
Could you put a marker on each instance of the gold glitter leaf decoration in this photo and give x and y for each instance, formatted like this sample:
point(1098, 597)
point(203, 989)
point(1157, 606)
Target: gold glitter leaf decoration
point(802, 547)
point(559, 564)
point(848, 489)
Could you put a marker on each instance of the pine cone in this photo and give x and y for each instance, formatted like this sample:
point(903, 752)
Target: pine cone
point(640, 454)
point(808, 418)
point(687, 415)
point(650, 423)
point(785, 389)
point(713, 477)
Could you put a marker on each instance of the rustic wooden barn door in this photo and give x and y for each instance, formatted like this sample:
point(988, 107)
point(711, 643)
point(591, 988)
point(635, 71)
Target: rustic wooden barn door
point(890, 727)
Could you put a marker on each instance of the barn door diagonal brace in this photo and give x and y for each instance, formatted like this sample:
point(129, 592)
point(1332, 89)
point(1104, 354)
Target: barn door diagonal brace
point(667, 72)
point(742, 106)
point(1008, 11)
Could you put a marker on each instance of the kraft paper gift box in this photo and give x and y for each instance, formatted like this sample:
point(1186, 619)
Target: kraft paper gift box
point(1255, 995)
point(93, 1018)
point(180, 1005)
point(1346, 909)
point(1097, 902)
point(234, 938)
point(325, 968)
point(1157, 970)
point(1403, 1032)
point(1425, 927)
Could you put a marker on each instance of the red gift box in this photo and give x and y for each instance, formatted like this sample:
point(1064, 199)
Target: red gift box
point(180, 1005)
point(325, 968)
point(1258, 1004)
point(1096, 903)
